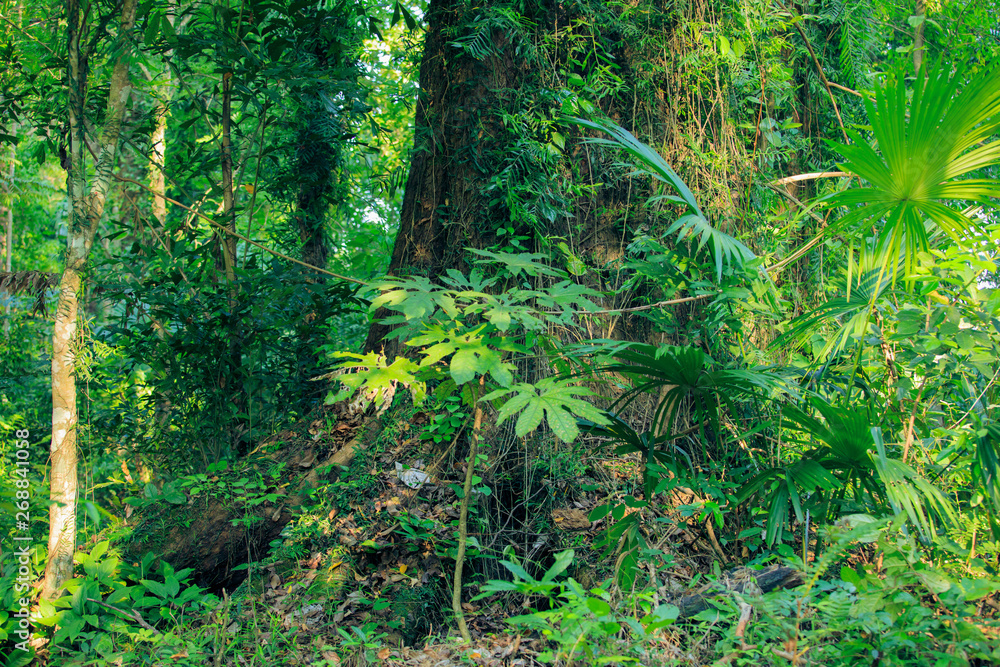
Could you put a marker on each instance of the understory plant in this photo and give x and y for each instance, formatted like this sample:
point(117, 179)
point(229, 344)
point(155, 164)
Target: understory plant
point(465, 334)
point(578, 623)
point(117, 611)
point(897, 609)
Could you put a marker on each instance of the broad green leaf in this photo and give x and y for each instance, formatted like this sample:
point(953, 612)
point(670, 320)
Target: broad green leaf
point(370, 372)
point(530, 419)
point(562, 561)
point(526, 263)
point(156, 588)
point(555, 400)
point(517, 570)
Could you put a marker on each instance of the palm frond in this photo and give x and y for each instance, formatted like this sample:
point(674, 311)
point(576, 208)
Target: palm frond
point(910, 494)
point(986, 471)
point(922, 145)
point(841, 458)
point(687, 375)
point(853, 312)
point(654, 449)
point(725, 248)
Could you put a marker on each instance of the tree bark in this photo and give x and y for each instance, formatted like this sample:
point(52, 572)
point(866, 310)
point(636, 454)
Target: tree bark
point(8, 235)
point(158, 205)
point(918, 36)
point(158, 143)
point(228, 241)
point(487, 164)
point(464, 142)
point(86, 211)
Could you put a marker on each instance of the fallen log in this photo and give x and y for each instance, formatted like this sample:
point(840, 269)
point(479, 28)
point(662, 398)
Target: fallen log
point(740, 580)
point(214, 535)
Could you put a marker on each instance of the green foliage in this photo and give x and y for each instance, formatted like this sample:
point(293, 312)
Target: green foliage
point(442, 325)
point(555, 398)
point(118, 611)
point(854, 313)
point(184, 374)
point(903, 611)
point(364, 639)
point(908, 492)
point(684, 379)
point(190, 352)
point(446, 423)
point(725, 249)
point(986, 471)
point(579, 623)
point(927, 139)
point(838, 461)
point(655, 450)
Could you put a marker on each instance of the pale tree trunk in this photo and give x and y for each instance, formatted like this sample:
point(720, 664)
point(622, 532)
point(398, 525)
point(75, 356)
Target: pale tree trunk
point(228, 199)
point(158, 189)
point(86, 211)
point(8, 237)
point(163, 90)
point(918, 37)
point(157, 179)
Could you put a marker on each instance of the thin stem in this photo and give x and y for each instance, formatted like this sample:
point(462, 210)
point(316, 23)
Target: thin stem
point(240, 236)
point(822, 76)
point(913, 419)
point(463, 525)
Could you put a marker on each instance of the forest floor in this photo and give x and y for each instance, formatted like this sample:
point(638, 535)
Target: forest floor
point(363, 568)
point(334, 543)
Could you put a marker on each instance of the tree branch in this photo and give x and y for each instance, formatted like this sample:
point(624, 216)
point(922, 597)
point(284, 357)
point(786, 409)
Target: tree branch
point(133, 615)
point(822, 74)
point(226, 230)
point(810, 176)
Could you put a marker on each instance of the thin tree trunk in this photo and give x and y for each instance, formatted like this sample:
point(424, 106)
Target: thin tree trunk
point(239, 425)
point(463, 525)
point(158, 189)
point(86, 211)
point(918, 37)
point(63, 474)
point(157, 179)
point(228, 201)
point(8, 237)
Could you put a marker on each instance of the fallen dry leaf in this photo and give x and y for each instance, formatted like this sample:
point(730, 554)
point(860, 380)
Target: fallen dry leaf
point(569, 518)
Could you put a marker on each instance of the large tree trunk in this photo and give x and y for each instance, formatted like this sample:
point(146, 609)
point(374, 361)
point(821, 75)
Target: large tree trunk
point(86, 210)
point(489, 160)
point(452, 86)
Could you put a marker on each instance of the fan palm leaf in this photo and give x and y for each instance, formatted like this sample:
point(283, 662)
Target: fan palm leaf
point(653, 449)
point(685, 376)
point(840, 459)
point(853, 311)
point(925, 145)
